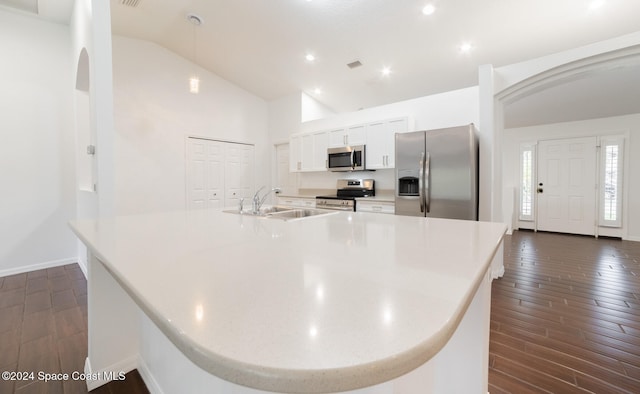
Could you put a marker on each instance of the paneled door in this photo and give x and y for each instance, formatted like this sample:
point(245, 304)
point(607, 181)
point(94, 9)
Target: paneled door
point(566, 187)
point(219, 173)
point(205, 174)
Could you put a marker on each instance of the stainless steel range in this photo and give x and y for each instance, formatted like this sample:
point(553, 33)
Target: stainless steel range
point(345, 197)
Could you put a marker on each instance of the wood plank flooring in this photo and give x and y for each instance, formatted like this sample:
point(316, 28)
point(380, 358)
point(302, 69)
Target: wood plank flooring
point(43, 327)
point(565, 318)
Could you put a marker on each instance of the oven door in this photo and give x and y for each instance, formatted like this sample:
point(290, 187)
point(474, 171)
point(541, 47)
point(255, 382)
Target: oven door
point(336, 204)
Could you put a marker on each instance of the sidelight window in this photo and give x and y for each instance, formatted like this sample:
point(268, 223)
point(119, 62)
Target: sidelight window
point(611, 149)
point(527, 179)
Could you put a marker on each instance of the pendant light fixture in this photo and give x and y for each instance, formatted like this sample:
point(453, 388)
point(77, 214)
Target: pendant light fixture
point(194, 81)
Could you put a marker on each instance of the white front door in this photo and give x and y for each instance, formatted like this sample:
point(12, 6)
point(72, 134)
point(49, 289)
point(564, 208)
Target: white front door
point(566, 186)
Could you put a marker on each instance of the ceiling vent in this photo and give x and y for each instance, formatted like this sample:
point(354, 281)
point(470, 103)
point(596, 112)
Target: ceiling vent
point(355, 64)
point(130, 3)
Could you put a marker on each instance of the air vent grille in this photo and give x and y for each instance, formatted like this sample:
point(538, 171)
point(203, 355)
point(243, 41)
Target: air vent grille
point(130, 3)
point(354, 64)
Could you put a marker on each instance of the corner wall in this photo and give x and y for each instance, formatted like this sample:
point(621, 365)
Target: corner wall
point(36, 155)
point(154, 112)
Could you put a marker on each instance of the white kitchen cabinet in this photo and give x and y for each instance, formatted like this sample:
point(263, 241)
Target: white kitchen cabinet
point(308, 152)
point(297, 202)
point(319, 156)
point(376, 206)
point(381, 142)
point(348, 136)
point(295, 153)
point(218, 173)
point(337, 137)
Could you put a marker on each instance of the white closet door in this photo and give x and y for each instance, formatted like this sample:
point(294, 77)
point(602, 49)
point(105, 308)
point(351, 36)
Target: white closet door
point(215, 174)
point(218, 173)
point(196, 174)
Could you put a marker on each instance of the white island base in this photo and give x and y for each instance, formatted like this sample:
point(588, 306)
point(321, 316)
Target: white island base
point(122, 338)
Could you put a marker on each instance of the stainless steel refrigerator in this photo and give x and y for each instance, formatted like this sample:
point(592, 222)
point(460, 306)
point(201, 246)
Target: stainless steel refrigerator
point(437, 173)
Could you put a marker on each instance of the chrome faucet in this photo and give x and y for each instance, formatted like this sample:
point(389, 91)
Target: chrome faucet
point(257, 201)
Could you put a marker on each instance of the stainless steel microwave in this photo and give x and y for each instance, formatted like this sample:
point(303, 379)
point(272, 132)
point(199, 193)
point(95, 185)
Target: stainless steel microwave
point(346, 158)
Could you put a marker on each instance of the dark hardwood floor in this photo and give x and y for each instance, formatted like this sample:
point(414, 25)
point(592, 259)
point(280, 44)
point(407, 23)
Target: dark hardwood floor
point(43, 328)
point(565, 318)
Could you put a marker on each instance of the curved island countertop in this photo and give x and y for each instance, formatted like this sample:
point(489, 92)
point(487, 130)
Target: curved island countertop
point(323, 304)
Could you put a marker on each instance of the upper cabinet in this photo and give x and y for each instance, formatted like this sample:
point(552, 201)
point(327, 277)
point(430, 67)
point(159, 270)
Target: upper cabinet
point(320, 145)
point(346, 136)
point(381, 142)
point(295, 153)
point(308, 151)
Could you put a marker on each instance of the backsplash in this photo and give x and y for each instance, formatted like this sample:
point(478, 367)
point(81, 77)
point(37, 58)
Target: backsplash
point(327, 180)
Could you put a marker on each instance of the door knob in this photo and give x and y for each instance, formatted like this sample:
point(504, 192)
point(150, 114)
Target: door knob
point(540, 190)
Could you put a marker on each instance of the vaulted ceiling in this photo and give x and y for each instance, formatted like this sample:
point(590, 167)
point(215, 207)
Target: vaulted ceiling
point(262, 46)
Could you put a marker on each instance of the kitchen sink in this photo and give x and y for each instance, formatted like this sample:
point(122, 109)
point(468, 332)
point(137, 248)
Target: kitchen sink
point(268, 210)
point(282, 213)
point(299, 213)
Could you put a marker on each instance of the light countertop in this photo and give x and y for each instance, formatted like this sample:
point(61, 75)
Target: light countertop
point(327, 303)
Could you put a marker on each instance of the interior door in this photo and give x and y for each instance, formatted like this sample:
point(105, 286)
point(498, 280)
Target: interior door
point(196, 174)
point(566, 188)
point(205, 174)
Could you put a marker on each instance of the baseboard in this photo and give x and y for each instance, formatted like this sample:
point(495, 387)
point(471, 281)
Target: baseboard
point(635, 239)
point(39, 266)
point(149, 379)
point(96, 379)
point(83, 268)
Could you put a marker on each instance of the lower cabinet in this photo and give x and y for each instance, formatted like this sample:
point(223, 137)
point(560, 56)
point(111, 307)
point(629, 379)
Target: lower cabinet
point(297, 202)
point(376, 206)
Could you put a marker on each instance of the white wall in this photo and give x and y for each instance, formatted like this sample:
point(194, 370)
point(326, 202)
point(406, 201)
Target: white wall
point(36, 153)
point(512, 74)
point(154, 112)
point(512, 138)
point(454, 108)
point(312, 109)
point(284, 117)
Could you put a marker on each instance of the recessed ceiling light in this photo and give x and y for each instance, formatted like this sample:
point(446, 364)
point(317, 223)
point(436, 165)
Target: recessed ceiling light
point(386, 71)
point(465, 47)
point(310, 57)
point(429, 9)
point(596, 4)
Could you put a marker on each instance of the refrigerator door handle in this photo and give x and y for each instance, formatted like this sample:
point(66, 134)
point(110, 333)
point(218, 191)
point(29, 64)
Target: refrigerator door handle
point(421, 182)
point(427, 183)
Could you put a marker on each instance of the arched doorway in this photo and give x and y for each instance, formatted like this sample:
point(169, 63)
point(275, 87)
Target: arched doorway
point(561, 100)
point(86, 167)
